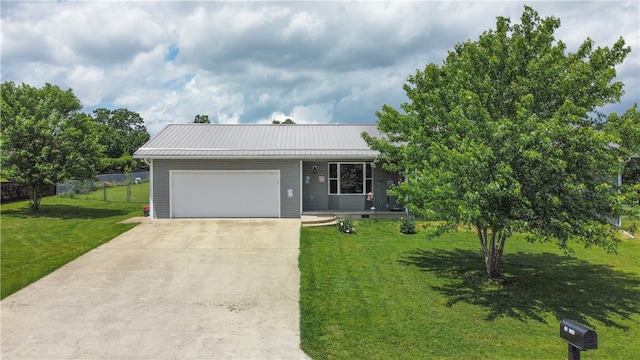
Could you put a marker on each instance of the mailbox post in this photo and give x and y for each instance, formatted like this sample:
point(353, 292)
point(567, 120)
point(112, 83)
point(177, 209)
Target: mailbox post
point(579, 338)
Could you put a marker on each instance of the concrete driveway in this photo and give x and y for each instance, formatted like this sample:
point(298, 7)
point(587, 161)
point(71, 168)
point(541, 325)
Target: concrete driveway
point(168, 289)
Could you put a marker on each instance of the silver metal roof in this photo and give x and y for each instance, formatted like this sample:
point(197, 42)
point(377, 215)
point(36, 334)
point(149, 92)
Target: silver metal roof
point(260, 141)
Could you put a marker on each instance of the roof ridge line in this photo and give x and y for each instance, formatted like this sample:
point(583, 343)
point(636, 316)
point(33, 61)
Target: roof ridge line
point(289, 125)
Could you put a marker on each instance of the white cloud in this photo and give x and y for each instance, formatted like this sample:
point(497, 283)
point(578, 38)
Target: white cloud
point(181, 105)
point(264, 99)
point(228, 118)
point(303, 114)
point(305, 25)
point(244, 62)
point(313, 113)
point(85, 79)
point(277, 115)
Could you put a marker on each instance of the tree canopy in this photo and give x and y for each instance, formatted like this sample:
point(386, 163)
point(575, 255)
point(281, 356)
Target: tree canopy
point(627, 128)
point(285, 122)
point(505, 136)
point(121, 132)
point(45, 138)
point(202, 119)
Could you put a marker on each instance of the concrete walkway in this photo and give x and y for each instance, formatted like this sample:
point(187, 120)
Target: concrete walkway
point(168, 289)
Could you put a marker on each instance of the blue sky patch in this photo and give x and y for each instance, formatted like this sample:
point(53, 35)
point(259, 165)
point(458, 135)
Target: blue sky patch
point(172, 53)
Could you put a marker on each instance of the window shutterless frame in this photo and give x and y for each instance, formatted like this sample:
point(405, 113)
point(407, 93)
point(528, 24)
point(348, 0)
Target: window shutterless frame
point(350, 178)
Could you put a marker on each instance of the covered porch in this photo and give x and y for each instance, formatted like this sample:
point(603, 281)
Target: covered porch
point(356, 215)
point(352, 189)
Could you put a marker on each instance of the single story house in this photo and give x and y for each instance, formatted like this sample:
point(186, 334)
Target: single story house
point(279, 171)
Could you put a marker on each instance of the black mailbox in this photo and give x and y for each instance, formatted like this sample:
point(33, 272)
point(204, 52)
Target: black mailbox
point(578, 335)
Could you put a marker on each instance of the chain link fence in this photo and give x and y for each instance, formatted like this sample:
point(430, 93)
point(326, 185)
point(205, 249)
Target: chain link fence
point(132, 187)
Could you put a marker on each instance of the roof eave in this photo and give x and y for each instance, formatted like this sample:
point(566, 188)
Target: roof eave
point(305, 157)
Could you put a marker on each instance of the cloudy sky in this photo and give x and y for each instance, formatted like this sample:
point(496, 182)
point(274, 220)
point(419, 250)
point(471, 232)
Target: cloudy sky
point(252, 62)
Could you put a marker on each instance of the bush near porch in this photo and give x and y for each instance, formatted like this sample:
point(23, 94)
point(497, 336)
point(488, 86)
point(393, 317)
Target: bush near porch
point(381, 294)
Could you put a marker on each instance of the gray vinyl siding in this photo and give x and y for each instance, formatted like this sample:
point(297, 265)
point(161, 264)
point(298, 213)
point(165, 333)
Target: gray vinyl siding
point(289, 179)
point(316, 191)
point(349, 202)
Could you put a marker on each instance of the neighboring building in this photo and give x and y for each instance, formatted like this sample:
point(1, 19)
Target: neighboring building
point(280, 171)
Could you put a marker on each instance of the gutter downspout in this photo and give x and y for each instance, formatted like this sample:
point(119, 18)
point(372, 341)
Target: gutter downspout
point(151, 210)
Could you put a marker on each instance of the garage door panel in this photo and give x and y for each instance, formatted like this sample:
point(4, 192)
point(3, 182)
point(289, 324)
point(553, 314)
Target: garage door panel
point(225, 194)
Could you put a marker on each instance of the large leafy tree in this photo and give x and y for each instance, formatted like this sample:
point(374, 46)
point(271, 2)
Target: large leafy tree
point(627, 128)
point(503, 136)
point(121, 133)
point(45, 138)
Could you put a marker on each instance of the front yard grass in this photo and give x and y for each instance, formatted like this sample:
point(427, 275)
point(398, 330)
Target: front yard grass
point(34, 244)
point(380, 294)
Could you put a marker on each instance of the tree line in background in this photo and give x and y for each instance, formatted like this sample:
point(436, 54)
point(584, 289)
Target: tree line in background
point(204, 119)
point(120, 132)
point(46, 139)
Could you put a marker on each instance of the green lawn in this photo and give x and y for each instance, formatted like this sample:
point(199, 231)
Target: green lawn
point(380, 294)
point(33, 244)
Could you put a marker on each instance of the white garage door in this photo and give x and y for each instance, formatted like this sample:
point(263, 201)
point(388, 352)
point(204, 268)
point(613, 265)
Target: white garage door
point(204, 194)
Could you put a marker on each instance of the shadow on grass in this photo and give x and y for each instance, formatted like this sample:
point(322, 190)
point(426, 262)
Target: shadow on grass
point(534, 284)
point(63, 212)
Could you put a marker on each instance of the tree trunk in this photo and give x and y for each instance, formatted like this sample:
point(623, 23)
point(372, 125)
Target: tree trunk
point(35, 198)
point(492, 242)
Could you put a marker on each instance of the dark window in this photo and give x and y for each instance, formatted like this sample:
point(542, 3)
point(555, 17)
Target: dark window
point(333, 171)
point(333, 178)
point(369, 179)
point(350, 178)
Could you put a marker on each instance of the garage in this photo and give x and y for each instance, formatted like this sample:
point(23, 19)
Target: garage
point(225, 193)
point(251, 170)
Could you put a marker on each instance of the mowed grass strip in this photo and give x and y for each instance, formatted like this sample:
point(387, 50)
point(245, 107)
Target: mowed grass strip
point(380, 294)
point(34, 244)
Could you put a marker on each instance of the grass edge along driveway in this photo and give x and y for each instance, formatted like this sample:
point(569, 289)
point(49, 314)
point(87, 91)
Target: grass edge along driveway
point(380, 294)
point(34, 244)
